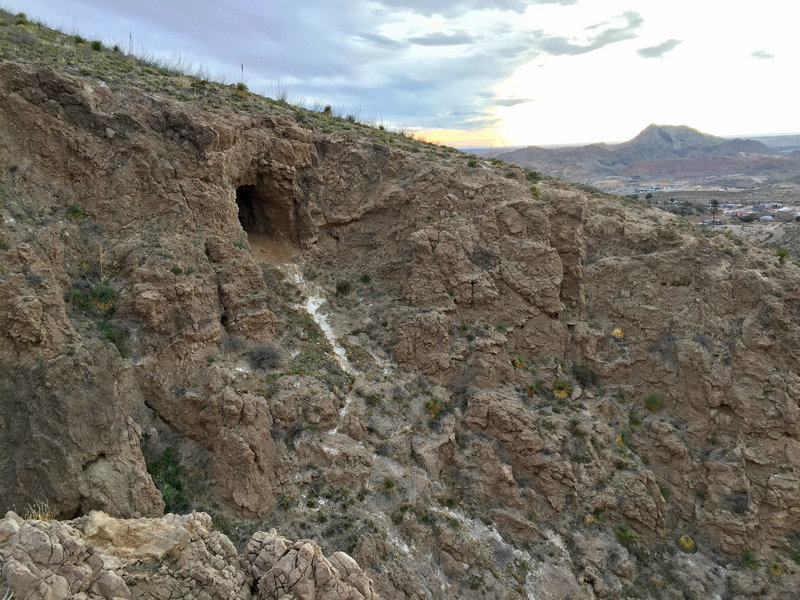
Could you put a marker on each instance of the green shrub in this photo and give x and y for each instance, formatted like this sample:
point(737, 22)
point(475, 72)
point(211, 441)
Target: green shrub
point(167, 473)
point(365, 278)
point(472, 163)
point(561, 389)
point(533, 176)
point(343, 287)
point(102, 296)
point(265, 356)
point(434, 408)
point(782, 254)
point(652, 402)
point(666, 493)
point(240, 90)
point(749, 560)
point(3, 244)
point(388, 484)
point(114, 336)
point(584, 375)
point(76, 213)
point(79, 41)
point(536, 193)
point(625, 534)
point(96, 45)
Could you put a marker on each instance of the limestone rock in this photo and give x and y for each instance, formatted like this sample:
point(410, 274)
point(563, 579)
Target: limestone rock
point(280, 569)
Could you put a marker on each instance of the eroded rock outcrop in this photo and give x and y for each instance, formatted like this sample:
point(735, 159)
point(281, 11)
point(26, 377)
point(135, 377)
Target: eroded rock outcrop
point(100, 557)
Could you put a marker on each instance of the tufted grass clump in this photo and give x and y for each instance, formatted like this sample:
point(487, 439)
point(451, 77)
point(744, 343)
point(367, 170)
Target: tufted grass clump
point(76, 213)
point(749, 560)
point(775, 568)
point(3, 244)
point(561, 389)
point(652, 402)
point(240, 90)
point(623, 438)
point(686, 543)
point(102, 296)
point(434, 408)
point(388, 484)
point(625, 535)
point(38, 511)
point(343, 287)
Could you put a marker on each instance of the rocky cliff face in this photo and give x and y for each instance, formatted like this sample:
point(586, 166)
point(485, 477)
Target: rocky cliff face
point(539, 391)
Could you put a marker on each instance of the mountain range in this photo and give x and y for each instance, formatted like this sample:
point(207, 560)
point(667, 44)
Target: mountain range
point(658, 151)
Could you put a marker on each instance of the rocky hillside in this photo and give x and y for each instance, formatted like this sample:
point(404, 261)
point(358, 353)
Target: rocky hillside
point(472, 384)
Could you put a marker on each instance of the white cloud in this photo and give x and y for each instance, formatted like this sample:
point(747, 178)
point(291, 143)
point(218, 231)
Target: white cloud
point(549, 70)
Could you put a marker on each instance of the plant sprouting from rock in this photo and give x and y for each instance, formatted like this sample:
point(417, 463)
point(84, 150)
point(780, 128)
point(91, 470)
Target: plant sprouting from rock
point(561, 389)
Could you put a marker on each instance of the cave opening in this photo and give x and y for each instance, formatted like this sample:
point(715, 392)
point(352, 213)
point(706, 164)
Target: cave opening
point(268, 220)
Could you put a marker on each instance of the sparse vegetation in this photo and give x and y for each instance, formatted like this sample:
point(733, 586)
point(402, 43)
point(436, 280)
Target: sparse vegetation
point(76, 213)
point(686, 543)
point(584, 375)
point(652, 402)
point(102, 296)
point(749, 560)
point(265, 356)
point(561, 389)
point(113, 335)
point(434, 408)
point(168, 475)
point(343, 287)
point(240, 90)
point(625, 535)
point(38, 511)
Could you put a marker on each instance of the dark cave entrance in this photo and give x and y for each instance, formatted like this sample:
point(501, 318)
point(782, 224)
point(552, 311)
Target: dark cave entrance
point(268, 220)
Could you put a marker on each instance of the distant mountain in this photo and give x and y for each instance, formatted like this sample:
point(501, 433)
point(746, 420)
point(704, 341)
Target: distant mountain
point(655, 143)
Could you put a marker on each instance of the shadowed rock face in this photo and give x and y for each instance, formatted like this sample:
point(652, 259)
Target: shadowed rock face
point(492, 437)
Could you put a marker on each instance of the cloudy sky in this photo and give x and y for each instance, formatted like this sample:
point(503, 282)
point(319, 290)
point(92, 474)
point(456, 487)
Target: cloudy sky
point(478, 73)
